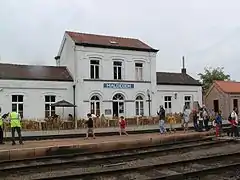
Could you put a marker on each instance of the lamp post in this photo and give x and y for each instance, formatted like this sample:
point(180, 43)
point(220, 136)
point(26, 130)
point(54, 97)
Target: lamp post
point(149, 102)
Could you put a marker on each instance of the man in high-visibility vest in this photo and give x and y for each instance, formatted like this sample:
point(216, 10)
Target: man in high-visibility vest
point(15, 121)
point(1, 128)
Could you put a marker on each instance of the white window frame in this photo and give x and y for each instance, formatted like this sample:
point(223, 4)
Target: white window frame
point(17, 103)
point(139, 105)
point(138, 71)
point(168, 103)
point(118, 67)
point(95, 66)
point(52, 110)
point(94, 103)
point(188, 101)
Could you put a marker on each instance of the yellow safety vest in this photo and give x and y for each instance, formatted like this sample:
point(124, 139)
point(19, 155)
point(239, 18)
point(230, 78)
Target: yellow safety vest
point(1, 122)
point(15, 120)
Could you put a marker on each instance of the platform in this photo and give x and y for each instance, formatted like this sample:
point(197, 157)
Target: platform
point(56, 147)
point(77, 133)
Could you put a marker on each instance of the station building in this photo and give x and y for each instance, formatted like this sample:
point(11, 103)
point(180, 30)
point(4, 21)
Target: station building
point(99, 74)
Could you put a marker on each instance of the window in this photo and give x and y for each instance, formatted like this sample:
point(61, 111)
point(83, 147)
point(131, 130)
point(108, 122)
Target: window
point(94, 69)
point(49, 110)
point(187, 101)
point(139, 106)
point(117, 70)
point(168, 103)
point(139, 71)
point(95, 105)
point(118, 104)
point(17, 104)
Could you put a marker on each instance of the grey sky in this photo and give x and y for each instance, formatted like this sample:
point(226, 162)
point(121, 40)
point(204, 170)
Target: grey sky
point(207, 32)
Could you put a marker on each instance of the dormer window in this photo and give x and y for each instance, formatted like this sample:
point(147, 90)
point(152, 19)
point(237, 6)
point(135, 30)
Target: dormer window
point(113, 42)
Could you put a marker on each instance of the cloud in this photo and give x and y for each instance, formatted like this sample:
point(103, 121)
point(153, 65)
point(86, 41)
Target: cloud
point(31, 30)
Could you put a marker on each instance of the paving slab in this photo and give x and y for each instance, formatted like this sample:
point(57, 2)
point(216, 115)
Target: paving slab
point(78, 145)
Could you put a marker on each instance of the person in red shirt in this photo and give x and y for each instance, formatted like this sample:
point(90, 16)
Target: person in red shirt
point(122, 126)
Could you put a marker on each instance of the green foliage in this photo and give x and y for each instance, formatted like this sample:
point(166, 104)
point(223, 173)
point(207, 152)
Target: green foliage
point(212, 74)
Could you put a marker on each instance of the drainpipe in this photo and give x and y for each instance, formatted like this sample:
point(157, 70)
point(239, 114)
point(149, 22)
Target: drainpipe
point(74, 108)
point(74, 86)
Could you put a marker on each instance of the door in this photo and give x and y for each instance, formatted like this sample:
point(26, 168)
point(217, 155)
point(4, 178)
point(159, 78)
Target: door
point(235, 103)
point(118, 105)
point(216, 105)
point(115, 109)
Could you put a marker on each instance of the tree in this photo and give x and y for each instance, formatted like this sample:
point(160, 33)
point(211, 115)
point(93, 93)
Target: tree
point(211, 74)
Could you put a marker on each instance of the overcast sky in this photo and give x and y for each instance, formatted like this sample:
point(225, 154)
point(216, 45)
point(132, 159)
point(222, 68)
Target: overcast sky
point(206, 32)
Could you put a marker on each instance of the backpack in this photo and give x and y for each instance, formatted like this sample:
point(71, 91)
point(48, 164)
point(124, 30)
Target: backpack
point(229, 117)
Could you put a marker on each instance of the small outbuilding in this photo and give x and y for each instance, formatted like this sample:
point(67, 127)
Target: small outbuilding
point(223, 96)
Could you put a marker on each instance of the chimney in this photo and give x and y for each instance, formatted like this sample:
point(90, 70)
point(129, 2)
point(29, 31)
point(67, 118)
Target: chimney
point(184, 71)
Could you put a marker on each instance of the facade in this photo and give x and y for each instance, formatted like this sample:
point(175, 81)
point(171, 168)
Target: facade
point(117, 76)
point(223, 96)
point(106, 75)
point(174, 90)
point(32, 89)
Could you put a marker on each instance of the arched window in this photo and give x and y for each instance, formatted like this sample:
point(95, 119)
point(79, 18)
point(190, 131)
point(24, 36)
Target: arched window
point(118, 104)
point(139, 103)
point(95, 105)
point(118, 97)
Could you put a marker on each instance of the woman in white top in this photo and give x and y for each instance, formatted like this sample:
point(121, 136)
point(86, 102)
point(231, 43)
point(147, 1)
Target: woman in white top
point(234, 123)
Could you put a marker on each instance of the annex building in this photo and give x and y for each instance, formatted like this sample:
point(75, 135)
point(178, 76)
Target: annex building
point(99, 74)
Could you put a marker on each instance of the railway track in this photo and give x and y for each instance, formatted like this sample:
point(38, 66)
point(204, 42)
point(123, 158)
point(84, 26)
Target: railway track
point(108, 164)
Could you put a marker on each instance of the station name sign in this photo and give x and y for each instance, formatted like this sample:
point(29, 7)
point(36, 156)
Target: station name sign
point(118, 86)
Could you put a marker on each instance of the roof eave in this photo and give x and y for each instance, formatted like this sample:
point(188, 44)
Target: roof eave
point(36, 79)
point(116, 47)
point(232, 92)
point(179, 84)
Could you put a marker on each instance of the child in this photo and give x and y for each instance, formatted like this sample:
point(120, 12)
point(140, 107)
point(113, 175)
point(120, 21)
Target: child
point(172, 121)
point(162, 127)
point(122, 126)
point(89, 123)
point(217, 123)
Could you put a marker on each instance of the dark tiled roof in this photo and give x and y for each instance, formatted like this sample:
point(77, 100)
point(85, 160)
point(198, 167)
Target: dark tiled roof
point(103, 41)
point(34, 72)
point(168, 78)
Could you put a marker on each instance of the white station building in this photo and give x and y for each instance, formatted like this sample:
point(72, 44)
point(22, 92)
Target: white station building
point(100, 74)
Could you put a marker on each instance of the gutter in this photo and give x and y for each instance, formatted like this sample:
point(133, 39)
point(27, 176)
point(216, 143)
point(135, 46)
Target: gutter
point(74, 103)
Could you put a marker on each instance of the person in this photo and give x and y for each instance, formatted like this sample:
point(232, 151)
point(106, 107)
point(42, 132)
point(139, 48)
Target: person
point(122, 126)
point(1, 128)
point(195, 119)
point(172, 122)
point(162, 117)
point(90, 129)
point(186, 116)
point(200, 120)
point(234, 123)
point(15, 122)
point(205, 118)
point(217, 123)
